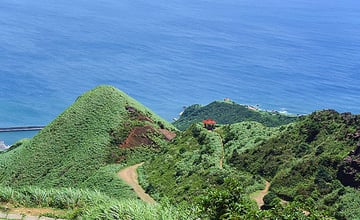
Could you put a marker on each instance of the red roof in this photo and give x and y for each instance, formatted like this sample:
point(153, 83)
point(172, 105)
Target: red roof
point(209, 122)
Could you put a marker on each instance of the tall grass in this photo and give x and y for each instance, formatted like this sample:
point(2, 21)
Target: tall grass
point(135, 209)
point(61, 198)
point(85, 204)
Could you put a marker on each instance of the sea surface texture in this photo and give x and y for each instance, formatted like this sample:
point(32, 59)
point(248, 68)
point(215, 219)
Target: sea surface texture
point(296, 56)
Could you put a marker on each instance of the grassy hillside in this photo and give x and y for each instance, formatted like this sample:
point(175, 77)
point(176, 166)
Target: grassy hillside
point(245, 135)
point(77, 149)
point(225, 112)
point(304, 160)
point(196, 160)
point(313, 162)
point(190, 167)
point(188, 172)
point(180, 171)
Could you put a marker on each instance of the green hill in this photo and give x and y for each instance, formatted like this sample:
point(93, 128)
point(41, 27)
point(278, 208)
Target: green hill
point(191, 167)
point(197, 169)
point(304, 161)
point(312, 162)
point(103, 127)
point(309, 163)
point(227, 112)
point(194, 161)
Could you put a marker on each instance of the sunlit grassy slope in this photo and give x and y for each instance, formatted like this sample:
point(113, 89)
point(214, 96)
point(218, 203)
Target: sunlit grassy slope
point(77, 148)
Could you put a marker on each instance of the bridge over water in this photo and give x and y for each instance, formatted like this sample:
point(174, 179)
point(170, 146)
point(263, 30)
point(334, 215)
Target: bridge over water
point(22, 128)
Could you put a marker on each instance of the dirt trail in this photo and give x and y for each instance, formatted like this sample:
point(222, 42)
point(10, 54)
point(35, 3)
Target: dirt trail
point(25, 213)
point(129, 175)
point(222, 151)
point(222, 157)
point(259, 196)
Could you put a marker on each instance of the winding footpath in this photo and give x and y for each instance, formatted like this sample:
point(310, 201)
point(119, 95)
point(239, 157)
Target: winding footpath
point(223, 153)
point(130, 176)
point(259, 196)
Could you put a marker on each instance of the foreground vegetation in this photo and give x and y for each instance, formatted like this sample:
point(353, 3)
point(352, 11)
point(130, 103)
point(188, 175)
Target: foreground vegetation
point(189, 172)
point(85, 204)
point(72, 164)
point(303, 162)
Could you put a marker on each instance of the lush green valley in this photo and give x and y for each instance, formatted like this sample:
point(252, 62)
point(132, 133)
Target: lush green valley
point(311, 162)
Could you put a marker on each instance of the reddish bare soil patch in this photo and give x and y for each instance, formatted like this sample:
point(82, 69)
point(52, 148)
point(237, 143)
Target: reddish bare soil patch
point(138, 136)
point(168, 134)
point(141, 136)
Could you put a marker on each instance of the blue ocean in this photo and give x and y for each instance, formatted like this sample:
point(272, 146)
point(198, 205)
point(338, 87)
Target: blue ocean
point(296, 55)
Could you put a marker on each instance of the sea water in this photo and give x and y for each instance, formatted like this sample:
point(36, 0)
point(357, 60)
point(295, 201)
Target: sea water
point(296, 55)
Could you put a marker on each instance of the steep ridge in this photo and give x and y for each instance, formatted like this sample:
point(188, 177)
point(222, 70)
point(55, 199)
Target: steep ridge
point(83, 140)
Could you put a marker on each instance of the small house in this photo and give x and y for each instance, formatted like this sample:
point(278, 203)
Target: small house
point(209, 124)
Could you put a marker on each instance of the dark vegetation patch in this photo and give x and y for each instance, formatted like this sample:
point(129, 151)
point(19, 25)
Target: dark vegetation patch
point(349, 170)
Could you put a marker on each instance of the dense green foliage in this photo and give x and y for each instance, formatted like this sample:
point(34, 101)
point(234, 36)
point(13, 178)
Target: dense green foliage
point(225, 112)
point(244, 136)
point(303, 160)
point(190, 166)
point(232, 202)
point(187, 167)
point(188, 171)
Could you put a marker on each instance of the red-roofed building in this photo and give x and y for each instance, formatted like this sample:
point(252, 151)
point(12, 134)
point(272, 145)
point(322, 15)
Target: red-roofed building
point(209, 124)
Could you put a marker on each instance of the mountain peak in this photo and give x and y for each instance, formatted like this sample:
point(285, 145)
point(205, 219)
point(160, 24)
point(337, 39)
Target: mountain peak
point(89, 134)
